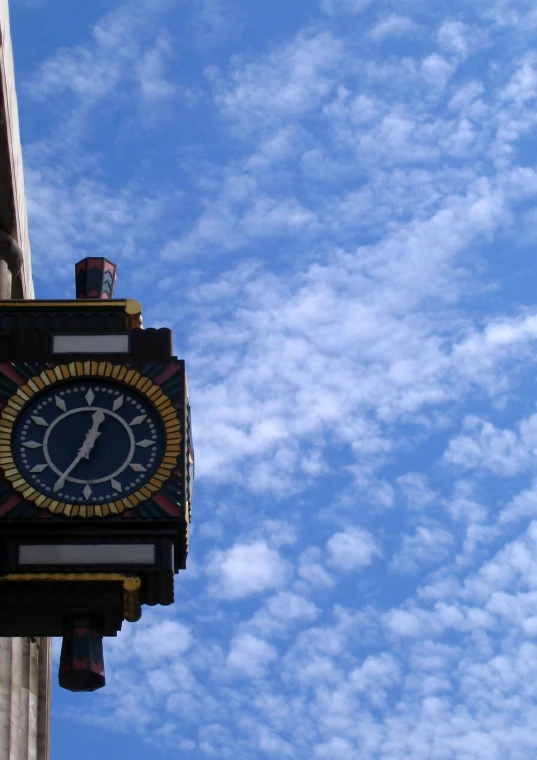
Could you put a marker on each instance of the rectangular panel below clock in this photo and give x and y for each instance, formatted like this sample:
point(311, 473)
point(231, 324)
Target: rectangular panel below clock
point(87, 554)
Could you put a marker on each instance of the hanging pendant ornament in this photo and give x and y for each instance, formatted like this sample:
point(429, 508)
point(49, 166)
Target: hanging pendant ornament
point(82, 656)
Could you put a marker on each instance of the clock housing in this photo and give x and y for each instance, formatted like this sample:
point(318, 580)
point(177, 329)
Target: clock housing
point(100, 501)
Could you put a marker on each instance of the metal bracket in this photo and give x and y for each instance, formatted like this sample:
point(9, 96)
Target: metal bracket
point(132, 609)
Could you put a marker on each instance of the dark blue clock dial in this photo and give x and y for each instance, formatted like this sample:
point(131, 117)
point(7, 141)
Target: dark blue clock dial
point(88, 441)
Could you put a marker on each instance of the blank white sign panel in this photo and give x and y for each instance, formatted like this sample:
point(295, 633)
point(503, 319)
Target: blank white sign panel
point(90, 344)
point(87, 554)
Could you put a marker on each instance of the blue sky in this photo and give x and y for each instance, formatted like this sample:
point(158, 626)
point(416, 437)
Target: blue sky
point(333, 205)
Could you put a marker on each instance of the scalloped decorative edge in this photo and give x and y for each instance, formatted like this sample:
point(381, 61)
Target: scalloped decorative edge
point(59, 374)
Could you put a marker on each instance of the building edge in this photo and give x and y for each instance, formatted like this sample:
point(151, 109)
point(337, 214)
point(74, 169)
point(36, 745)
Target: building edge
point(13, 211)
point(25, 663)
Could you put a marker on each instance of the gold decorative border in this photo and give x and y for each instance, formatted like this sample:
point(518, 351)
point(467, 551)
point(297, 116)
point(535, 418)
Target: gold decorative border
point(121, 374)
point(131, 307)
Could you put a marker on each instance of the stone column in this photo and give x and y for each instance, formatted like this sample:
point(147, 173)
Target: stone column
point(25, 664)
point(44, 696)
point(24, 698)
point(5, 280)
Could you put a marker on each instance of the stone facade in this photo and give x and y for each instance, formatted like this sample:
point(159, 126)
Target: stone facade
point(24, 698)
point(24, 662)
point(13, 215)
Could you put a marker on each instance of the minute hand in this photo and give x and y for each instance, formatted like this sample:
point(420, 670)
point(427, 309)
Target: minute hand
point(84, 451)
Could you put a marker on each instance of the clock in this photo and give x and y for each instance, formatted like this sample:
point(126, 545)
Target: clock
point(89, 435)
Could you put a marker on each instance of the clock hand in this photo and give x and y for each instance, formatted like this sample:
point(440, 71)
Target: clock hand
point(84, 451)
point(93, 434)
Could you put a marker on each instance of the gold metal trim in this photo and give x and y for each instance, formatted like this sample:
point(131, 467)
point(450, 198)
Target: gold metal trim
point(133, 310)
point(131, 307)
point(81, 303)
point(131, 378)
point(132, 609)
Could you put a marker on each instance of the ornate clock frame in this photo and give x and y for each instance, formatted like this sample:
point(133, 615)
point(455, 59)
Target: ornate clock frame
point(120, 374)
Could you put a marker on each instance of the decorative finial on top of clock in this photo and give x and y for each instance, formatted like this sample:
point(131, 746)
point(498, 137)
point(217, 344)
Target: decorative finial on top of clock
point(95, 278)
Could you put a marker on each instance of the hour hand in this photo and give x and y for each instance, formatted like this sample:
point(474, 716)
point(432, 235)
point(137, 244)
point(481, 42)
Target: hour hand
point(93, 434)
point(84, 451)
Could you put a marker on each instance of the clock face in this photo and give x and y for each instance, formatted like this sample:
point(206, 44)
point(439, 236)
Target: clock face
point(88, 441)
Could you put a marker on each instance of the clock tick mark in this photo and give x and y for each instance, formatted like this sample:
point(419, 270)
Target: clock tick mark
point(87, 491)
point(116, 485)
point(40, 421)
point(118, 403)
point(39, 468)
point(145, 443)
point(60, 403)
point(89, 397)
point(32, 445)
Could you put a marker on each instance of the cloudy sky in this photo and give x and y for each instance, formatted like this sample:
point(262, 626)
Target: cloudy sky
point(333, 205)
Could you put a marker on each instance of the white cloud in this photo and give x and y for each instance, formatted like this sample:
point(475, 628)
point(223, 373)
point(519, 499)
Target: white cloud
point(282, 613)
point(503, 452)
point(166, 639)
point(250, 655)
point(94, 70)
point(436, 70)
point(352, 549)
point(392, 26)
point(311, 570)
point(212, 19)
point(404, 623)
point(287, 606)
point(335, 7)
point(465, 508)
point(458, 39)
point(153, 641)
point(151, 71)
point(247, 569)
point(522, 506)
point(427, 546)
point(522, 86)
point(119, 222)
point(335, 748)
point(288, 385)
point(291, 81)
point(415, 490)
point(279, 533)
point(375, 676)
